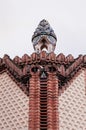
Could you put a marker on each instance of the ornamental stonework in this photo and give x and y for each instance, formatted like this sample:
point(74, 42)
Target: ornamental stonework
point(43, 91)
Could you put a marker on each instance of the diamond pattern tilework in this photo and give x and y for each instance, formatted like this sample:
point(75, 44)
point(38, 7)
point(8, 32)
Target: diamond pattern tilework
point(13, 105)
point(72, 105)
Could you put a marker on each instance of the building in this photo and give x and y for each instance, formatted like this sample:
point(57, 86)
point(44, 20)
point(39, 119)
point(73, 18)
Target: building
point(43, 91)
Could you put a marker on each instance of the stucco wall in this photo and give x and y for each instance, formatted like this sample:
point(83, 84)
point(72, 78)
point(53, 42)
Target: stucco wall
point(13, 105)
point(72, 105)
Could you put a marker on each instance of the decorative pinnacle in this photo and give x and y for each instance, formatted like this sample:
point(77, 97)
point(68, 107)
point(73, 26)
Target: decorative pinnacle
point(44, 28)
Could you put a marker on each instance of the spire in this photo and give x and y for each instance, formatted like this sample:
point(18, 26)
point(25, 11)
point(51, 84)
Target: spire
point(44, 37)
point(44, 28)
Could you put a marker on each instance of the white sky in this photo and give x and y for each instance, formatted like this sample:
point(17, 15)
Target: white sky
point(19, 18)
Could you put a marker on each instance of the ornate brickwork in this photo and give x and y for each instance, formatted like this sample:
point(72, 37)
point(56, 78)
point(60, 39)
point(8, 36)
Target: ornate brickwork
point(72, 105)
point(43, 91)
point(19, 68)
point(43, 100)
point(52, 102)
point(34, 102)
point(13, 105)
point(58, 73)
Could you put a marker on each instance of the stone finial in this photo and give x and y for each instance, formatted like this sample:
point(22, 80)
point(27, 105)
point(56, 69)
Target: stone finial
point(44, 37)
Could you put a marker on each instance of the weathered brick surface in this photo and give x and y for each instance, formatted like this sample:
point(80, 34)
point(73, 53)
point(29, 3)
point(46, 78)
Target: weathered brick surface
point(72, 105)
point(70, 88)
point(13, 105)
point(34, 102)
point(52, 102)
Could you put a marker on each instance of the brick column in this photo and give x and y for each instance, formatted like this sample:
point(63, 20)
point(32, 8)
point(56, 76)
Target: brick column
point(34, 102)
point(85, 81)
point(52, 102)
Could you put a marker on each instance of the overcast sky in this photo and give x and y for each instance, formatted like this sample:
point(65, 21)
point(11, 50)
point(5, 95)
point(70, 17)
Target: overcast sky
point(19, 18)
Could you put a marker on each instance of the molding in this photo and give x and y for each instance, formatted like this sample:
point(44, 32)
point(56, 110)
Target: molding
point(64, 67)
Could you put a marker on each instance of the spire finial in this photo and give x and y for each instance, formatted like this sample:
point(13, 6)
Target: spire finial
point(44, 37)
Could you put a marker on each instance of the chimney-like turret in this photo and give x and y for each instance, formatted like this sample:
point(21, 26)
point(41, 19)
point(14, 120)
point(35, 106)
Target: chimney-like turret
point(44, 38)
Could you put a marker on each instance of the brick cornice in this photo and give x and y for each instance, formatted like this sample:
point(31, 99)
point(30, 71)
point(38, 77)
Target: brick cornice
point(65, 67)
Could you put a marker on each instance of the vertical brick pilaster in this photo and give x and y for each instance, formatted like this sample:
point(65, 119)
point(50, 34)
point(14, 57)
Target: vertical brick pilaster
point(37, 87)
point(34, 102)
point(52, 102)
point(85, 81)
